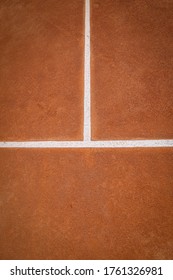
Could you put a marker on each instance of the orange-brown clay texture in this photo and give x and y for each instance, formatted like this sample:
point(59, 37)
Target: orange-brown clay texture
point(86, 203)
point(41, 69)
point(132, 69)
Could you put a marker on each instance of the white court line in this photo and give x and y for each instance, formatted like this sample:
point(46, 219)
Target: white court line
point(89, 144)
point(87, 105)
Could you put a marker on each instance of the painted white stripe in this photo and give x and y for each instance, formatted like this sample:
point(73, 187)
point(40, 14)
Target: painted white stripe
point(89, 144)
point(87, 105)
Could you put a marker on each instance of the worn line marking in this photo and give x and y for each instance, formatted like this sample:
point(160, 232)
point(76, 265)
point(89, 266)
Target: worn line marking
point(87, 101)
point(89, 144)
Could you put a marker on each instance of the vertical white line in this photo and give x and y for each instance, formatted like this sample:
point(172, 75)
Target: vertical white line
point(87, 101)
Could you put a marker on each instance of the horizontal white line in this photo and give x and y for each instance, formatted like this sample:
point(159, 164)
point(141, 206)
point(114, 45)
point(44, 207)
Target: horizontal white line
point(89, 144)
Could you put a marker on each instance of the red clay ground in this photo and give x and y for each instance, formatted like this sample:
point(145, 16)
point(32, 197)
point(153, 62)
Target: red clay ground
point(132, 69)
point(41, 70)
point(86, 203)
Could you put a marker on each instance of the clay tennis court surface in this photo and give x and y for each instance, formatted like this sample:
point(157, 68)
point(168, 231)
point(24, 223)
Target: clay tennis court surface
point(132, 69)
point(41, 70)
point(86, 194)
point(86, 204)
